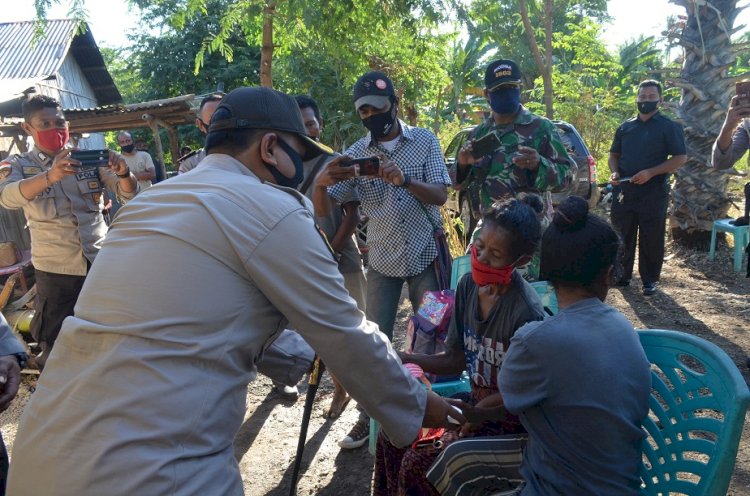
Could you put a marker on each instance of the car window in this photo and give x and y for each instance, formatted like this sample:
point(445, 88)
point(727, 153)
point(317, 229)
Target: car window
point(568, 140)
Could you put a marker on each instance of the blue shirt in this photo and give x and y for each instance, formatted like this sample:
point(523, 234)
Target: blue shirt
point(580, 382)
point(399, 233)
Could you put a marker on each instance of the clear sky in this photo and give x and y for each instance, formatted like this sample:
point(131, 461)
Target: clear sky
point(111, 20)
point(632, 18)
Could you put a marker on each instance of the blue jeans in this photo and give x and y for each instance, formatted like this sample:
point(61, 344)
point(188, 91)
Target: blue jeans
point(384, 294)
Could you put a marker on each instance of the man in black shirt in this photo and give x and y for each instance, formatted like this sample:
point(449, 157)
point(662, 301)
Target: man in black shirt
point(646, 149)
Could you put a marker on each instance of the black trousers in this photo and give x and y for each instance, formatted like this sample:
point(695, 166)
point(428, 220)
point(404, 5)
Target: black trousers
point(643, 220)
point(56, 296)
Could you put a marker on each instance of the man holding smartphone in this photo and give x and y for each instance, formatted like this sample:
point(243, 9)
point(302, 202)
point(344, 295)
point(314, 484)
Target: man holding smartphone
point(528, 155)
point(63, 205)
point(734, 138)
point(402, 202)
point(647, 149)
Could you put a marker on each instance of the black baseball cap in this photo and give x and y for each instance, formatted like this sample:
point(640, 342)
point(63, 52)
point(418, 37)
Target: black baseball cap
point(501, 72)
point(263, 108)
point(373, 88)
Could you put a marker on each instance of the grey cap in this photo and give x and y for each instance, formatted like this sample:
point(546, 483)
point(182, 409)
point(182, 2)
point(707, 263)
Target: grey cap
point(373, 88)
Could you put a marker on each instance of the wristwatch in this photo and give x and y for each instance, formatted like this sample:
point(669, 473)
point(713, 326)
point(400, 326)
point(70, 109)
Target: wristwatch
point(22, 359)
point(407, 181)
point(123, 176)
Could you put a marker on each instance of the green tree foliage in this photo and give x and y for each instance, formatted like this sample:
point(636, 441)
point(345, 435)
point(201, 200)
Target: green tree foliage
point(166, 60)
point(590, 92)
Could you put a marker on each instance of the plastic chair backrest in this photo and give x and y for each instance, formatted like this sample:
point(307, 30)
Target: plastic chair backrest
point(461, 266)
point(696, 414)
point(547, 294)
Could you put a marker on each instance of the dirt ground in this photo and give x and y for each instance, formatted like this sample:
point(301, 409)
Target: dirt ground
point(704, 298)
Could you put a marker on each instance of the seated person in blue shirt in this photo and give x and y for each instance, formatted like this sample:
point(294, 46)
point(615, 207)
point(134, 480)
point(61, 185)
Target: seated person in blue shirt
point(579, 381)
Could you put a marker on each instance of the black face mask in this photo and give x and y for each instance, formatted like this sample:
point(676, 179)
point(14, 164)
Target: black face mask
point(380, 125)
point(127, 148)
point(299, 170)
point(646, 107)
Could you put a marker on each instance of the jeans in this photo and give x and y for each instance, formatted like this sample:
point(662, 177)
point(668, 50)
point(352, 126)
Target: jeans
point(384, 294)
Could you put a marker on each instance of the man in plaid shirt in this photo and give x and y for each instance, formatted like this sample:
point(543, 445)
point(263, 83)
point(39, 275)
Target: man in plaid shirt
point(402, 202)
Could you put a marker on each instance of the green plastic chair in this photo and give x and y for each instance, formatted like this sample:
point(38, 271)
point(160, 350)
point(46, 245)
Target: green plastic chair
point(461, 266)
point(547, 294)
point(696, 414)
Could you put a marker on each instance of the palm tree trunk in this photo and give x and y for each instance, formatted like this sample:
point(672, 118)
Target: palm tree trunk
point(699, 195)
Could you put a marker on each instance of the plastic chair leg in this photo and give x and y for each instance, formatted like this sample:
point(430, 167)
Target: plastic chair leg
point(739, 248)
point(712, 250)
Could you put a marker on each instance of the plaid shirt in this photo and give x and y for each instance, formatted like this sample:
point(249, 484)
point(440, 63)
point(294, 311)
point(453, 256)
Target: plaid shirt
point(399, 234)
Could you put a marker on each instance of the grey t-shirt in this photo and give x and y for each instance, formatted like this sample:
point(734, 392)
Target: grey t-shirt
point(580, 382)
point(485, 342)
point(350, 260)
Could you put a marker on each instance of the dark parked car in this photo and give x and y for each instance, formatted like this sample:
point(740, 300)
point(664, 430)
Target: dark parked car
point(466, 202)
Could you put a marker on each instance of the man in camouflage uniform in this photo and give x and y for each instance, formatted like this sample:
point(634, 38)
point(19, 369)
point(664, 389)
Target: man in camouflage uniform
point(62, 202)
point(530, 158)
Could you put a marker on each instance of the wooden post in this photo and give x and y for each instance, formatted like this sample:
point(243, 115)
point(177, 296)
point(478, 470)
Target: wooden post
point(157, 141)
point(174, 144)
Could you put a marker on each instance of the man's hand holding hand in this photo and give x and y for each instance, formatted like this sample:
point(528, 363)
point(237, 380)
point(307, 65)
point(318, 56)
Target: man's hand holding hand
point(437, 410)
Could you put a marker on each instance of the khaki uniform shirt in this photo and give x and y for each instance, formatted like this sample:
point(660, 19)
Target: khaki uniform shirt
point(65, 221)
point(146, 386)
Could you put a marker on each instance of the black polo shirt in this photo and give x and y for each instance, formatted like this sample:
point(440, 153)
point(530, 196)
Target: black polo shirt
point(643, 145)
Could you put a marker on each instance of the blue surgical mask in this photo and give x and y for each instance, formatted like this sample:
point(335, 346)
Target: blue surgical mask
point(505, 100)
point(299, 171)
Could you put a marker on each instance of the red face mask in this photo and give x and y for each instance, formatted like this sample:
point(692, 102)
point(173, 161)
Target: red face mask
point(53, 139)
point(485, 275)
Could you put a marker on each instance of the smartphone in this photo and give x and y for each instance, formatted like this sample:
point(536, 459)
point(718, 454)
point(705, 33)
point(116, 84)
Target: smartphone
point(91, 159)
point(368, 166)
point(742, 88)
point(485, 145)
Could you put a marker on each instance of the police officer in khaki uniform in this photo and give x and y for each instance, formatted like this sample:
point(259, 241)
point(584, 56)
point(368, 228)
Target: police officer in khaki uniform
point(148, 398)
point(63, 205)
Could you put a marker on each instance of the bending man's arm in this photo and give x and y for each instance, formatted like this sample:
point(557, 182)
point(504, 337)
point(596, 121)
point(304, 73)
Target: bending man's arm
point(310, 293)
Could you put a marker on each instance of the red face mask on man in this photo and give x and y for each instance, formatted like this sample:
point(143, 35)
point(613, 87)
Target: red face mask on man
point(486, 275)
point(53, 139)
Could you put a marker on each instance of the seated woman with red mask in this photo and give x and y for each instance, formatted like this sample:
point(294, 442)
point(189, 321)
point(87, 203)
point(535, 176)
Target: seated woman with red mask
point(491, 304)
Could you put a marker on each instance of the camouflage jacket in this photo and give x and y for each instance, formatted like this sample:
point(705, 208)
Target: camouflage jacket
point(497, 175)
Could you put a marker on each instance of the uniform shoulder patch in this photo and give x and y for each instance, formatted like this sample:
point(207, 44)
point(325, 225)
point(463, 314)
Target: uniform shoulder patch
point(5, 169)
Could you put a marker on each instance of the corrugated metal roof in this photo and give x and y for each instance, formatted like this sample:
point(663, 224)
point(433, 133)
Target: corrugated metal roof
point(19, 61)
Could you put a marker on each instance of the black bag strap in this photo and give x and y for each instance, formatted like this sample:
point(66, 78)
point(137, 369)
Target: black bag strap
point(435, 227)
point(314, 172)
